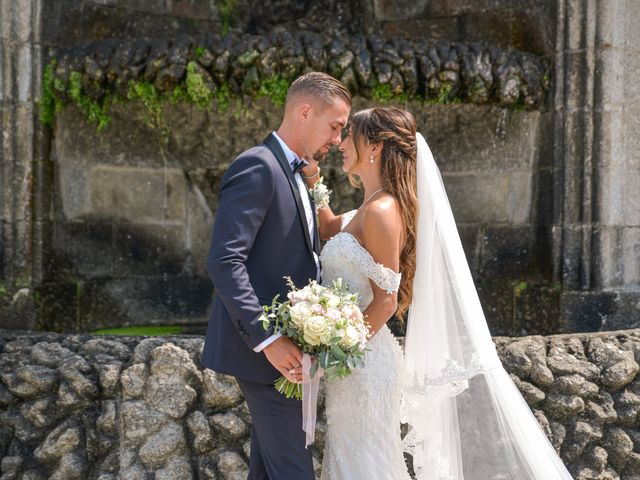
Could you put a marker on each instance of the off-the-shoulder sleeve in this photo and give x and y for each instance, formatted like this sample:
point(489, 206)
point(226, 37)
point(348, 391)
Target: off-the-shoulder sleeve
point(382, 276)
point(346, 217)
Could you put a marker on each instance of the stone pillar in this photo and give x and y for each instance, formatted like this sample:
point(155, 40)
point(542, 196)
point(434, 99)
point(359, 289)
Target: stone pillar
point(20, 54)
point(597, 163)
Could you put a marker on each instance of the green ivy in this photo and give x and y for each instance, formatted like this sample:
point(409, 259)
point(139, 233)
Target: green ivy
point(443, 96)
point(275, 88)
point(223, 97)
point(96, 113)
point(148, 94)
point(384, 93)
point(49, 104)
point(197, 90)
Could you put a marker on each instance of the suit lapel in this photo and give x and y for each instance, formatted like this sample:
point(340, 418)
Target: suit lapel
point(316, 230)
point(275, 147)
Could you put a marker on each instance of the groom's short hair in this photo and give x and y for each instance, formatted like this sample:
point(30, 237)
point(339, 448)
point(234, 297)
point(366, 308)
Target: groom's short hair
point(319, 85)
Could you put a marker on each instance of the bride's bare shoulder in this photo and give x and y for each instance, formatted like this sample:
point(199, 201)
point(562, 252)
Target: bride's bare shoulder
point(382, 220)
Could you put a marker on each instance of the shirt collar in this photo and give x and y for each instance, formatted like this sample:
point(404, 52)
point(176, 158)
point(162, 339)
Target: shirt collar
point(290, 154)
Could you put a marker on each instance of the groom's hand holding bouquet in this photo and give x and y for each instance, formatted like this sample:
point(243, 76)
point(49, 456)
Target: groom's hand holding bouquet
point(328, 326)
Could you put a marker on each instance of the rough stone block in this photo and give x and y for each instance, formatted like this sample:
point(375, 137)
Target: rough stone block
point(197, 9)
point(447, 28)
point(519, 198)
point(611, 172)
point(509, 252)
point(631, 255)
point(149, 249)
point(72, 191)
point(544, 200)
point(161, 445)
point(536, 310)
point(6, 73)
point(611, 25)
point(514, 137)
point(497, 305)
point(138, 195)
point(627, 312)
point(144, 300)
point(631, 33)
point(576, 63)
point(585, 312)
point(469, 236)
point(58, 306)
point(394, 10)
point(610, 83)
point(139, 422)
point(199, 228)
point(5, 20)
point(85, 248)
point(607, 269)
point(631, 185)
point(478, 197)
point(150, 6)
point(24, 78)
point(21, 20)
point(23, 161)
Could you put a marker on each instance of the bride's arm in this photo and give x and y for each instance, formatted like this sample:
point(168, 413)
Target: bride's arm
point(329, 224)
point(382, 239)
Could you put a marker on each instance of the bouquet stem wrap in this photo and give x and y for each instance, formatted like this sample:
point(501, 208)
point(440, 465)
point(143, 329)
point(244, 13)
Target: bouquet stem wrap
point(310, 388)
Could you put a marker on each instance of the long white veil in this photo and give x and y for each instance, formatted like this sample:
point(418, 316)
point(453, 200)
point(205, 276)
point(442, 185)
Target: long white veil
point(467, 420)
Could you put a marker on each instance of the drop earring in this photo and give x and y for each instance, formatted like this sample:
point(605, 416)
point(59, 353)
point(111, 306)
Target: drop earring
point(371, 159)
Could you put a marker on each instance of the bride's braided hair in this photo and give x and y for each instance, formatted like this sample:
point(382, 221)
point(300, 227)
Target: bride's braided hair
point(396, 129)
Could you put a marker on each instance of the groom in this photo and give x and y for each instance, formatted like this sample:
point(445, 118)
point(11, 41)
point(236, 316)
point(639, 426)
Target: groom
point(265, 229)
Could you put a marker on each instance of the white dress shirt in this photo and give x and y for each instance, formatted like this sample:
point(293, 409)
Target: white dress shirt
point(308, 211)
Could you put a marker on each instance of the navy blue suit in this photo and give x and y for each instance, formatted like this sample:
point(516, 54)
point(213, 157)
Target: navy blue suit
point(260, 235)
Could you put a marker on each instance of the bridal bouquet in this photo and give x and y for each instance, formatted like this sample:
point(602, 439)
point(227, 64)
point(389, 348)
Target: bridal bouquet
point(326, 323)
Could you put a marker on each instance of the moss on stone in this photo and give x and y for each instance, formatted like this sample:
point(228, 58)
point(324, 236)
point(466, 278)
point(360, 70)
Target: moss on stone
point(275, 88)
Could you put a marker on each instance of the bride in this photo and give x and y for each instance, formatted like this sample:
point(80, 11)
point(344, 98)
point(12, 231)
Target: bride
point(400, 251)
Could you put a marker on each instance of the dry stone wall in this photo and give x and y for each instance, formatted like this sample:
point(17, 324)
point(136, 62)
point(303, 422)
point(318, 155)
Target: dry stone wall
point(81, 406)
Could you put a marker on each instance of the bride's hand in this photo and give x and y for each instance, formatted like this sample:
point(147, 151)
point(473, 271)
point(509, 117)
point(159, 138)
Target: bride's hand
point(311, 172)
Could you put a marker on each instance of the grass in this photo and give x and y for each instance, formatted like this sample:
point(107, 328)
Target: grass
point(145, 331)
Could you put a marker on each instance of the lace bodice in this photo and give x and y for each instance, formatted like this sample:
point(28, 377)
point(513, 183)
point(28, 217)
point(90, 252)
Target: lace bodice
point(344, 257)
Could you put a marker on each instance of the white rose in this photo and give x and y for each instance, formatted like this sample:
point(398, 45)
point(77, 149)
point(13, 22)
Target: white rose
point(299, 312)
point(332, 300)
point(351, 337)
point(314, 328)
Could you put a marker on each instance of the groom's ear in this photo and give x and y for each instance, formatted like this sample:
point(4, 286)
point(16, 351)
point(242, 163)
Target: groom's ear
point(304, 111)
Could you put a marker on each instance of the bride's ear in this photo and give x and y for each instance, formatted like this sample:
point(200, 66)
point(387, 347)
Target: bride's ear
point(376, 149)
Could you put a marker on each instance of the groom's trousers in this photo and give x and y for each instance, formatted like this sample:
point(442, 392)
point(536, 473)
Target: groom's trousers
point(277, 438)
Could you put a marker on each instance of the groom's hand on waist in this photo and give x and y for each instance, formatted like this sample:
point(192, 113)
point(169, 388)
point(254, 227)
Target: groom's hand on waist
point(286, 357)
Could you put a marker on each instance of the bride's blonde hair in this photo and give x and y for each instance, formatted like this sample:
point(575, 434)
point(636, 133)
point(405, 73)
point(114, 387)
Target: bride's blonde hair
point(396, 130)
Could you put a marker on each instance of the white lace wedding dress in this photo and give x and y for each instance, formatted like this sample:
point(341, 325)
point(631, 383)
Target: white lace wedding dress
point(363, 410)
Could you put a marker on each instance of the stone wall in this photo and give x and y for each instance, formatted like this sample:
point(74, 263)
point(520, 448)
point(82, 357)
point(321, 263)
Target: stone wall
point(133, 223)
point(81, 406)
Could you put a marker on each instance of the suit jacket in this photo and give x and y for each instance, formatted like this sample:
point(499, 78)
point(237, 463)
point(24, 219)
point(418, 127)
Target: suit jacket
point(260, 235)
